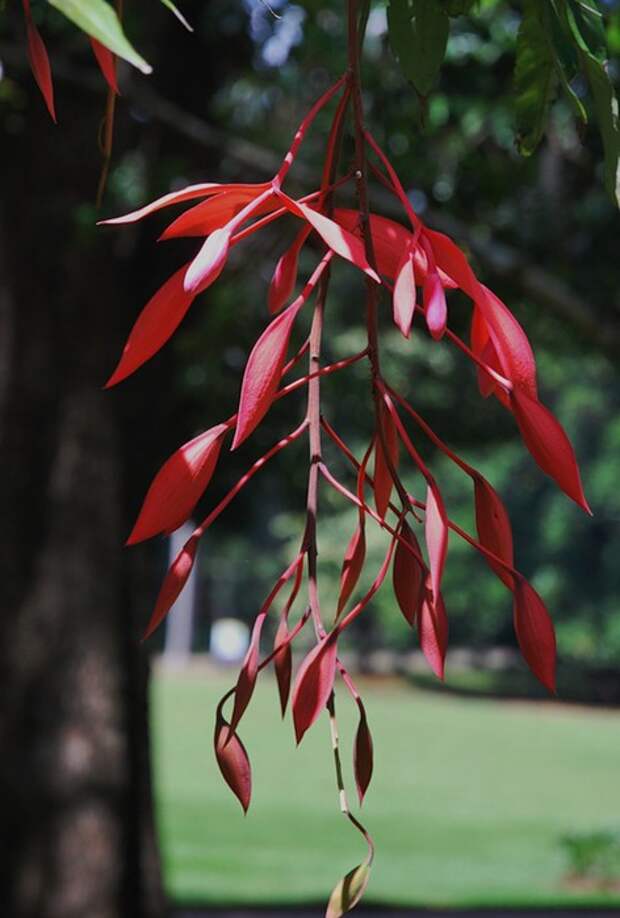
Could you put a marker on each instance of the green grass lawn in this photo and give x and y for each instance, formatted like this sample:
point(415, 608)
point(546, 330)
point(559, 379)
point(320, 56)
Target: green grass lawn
point(467, 804)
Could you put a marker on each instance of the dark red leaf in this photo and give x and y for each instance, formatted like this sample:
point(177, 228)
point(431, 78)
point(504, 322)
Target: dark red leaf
point(547, 442)
point(435, 306)
point(535, 632)
point(404, 295)
point(156, 323)
point(247, 675)
point(362, 756)
point(285, 274)
point(313, 685)
point(107, 63)
point(233, 761)
point(263, 371)
point(494, 530)
point(408, 576)
point(433, 632)
point(436, 535)
point(39, 61)
point(174, 581)
point(283, 663)
point(352, 566)
point(178, 485)
point(209, 262)
point(383, 481)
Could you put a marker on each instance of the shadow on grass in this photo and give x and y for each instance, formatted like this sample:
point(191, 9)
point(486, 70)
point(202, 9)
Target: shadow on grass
point(379, 911)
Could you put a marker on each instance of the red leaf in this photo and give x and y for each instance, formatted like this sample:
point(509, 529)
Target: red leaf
point(190, 192)
point(535, 633)
point(285, 274)
point(362, 756)
point(283, 663)
point(233, 761)
point(383, 482)
point(436, 534)
point(214, 213)
point(408, 576)
point(247, 675)
point(547, 442)
point(263, 371)
point(156, 323)
point(494, 530)
point(174, 581)
point(39, 61)
point(313, 685)
point(352, 566)
point(107, 63)
point(433, 632)
point(404, 295)
point(435, 306)
point(209, 262)
point(339, 240)
point(390, 240)
point(178, 485)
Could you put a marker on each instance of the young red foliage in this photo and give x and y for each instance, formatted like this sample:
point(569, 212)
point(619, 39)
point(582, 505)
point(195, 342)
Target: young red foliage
point(408, 576)
point(436, 535)
point(352, 565)
point(362, 755)
point(107, 63)
point(383, 481)
point(435, 306)
point(39, 61)
point(433, 630)
point(535, 632)
point(313, 685)
point(404, 295)
point(494, 529)
point(178, 485)
point(174, 581)
point(233, 762)
point(285, 274)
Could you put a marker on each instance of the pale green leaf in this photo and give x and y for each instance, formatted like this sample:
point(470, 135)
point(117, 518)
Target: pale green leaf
point(98, 19)
point(348, 892)
point(177, 12)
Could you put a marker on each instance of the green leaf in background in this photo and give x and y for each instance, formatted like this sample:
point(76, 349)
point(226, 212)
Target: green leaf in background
point(98, 19)
point(584, 22)
point(457, 7)
point(177, 12)
point(535, 77)
point(418, 32)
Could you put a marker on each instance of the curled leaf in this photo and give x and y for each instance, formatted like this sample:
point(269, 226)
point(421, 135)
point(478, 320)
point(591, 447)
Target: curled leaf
point(174, 581)
point(535, 632)
point(209, 262)
point(494, 530)
point(313, 685)
point(178, 485)
point(408, 576)
point(362, 756)
point(348, 892)
point(156, 323)
point(233, 762)
point(263, 371)
point(352, 566)
point(546, 440)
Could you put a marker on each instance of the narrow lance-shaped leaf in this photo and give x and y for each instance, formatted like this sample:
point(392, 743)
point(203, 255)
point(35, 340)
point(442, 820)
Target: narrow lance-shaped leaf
point(535, 632)
point(99, 19)
point(408, 576)
point(263, 371)
point(246, 681)
point(174, 581)
point(285, 274)
point(39, 61)
point(209, 263)
point(211, 214)
point(362, 755)
point(189, 193)
point(436, 535)
point(314, 684)
point(352, 565)
point(233, 762)
point(433, 631)
point(404, 295)
point(107, 63)
point(383, 481)
point(435, 306)
point(177, 12)
point(156, 323)
point(348, 891)
point(547, 442)
point(178, 485)
point(494, 530)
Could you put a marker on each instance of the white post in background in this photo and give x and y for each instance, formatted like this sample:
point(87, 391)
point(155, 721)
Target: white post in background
point(180, 619)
